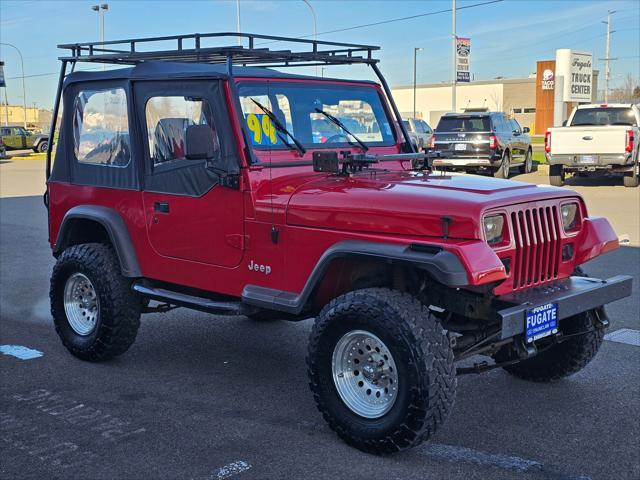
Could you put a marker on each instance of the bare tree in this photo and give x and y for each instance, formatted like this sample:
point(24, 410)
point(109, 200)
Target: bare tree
point(628, 92)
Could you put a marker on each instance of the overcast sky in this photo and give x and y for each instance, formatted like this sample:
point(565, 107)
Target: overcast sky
point(507, 37)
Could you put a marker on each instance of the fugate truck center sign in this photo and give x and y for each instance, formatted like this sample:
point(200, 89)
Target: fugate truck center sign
point(576, 68)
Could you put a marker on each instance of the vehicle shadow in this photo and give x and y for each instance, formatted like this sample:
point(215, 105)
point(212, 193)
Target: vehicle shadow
point(609, 180)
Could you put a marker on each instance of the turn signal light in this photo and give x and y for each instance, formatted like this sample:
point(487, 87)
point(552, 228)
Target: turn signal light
point(432, 141)
point(547, 141)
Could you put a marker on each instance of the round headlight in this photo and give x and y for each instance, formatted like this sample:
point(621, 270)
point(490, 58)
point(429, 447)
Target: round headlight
point(570, 217)
point(493, 227)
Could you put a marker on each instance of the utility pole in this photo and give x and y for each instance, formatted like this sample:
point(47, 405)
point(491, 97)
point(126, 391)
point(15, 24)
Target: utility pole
point(315, 25)
point(415, 58)
point(101, 9)
point(455, 56)
point(607, 71)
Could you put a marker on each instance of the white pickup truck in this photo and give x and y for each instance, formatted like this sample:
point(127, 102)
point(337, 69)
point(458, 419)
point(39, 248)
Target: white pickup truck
point(599, 137)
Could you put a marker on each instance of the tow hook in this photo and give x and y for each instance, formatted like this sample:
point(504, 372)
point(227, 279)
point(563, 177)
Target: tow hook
point(600, 319)
point(525, 350)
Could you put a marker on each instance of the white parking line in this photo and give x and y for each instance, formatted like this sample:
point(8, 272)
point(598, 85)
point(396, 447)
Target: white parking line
point(231, 469)
point(456, 454)
point(624, 335)
point(18, 351)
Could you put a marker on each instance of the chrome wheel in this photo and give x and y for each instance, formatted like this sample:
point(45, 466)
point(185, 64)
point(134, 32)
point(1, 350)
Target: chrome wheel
point(364, 374)
point(81, 304)
point(506, 166)
point(528, 163)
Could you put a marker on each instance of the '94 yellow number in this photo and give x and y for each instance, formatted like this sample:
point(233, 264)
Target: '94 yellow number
point(261, 128)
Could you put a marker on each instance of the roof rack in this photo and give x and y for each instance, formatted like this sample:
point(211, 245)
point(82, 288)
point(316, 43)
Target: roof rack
point(197, 48)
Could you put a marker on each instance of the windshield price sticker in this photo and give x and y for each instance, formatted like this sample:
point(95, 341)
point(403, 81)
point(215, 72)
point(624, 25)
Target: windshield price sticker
point(262, 130)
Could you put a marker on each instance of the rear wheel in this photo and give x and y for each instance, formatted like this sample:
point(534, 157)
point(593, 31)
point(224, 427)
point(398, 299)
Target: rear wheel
point(381, 370)
point(632, 179)
point(505, 166)
point(527, 166)
point(556, 175)
point(94, 310)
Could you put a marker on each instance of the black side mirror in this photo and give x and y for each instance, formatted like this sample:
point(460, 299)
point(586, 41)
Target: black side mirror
point(199, 142)
point(525, 130)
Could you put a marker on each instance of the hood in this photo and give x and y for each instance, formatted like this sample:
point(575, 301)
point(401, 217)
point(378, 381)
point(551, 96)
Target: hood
point(408, 203)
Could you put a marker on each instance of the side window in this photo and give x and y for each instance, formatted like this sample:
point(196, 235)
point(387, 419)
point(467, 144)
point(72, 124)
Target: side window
point(516, 126)
point(167, 121)
point(101, 128)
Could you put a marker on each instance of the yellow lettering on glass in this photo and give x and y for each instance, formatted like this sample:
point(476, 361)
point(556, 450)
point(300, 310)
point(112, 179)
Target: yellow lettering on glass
point(254, 125)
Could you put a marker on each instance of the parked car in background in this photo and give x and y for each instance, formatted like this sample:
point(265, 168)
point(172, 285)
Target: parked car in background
point(3, 150)
point(17, 138)
point(481, 142)
point(596, 138)
point(419, 131)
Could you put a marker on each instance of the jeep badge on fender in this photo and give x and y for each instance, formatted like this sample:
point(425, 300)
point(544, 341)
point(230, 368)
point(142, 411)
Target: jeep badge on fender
point(237, 162)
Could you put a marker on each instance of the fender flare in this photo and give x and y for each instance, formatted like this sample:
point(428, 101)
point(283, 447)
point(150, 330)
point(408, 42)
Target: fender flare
point(115, 227)
point(443, 265)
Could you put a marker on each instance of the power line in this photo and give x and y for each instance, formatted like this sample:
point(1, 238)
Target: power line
point(354, 27)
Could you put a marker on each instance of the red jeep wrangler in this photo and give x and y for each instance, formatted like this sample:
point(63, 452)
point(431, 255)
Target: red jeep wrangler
point(195, 179)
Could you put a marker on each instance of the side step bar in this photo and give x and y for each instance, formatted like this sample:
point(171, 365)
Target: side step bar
point(189, 301)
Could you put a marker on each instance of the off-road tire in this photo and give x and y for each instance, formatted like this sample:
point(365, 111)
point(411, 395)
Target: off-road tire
point(527, 166)
point(556, 175)
point(565, 358)
point(423, 357)
point(119, 309)
point(505, 166)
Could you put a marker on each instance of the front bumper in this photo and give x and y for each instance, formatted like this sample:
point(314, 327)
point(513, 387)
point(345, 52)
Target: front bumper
point(573, 295)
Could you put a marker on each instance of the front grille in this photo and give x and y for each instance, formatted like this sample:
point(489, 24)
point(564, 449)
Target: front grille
point(537, 239)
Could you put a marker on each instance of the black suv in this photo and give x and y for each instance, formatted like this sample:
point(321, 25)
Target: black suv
point(486, 141)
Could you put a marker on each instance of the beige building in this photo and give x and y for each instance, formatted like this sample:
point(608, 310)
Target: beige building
point(37, 118)
point(516, 97)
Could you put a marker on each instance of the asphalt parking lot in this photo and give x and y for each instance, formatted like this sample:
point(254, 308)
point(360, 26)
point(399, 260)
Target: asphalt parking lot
point(205, 397)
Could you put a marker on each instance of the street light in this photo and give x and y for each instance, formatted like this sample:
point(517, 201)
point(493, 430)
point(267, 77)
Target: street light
point(415, 58)
point(101, 9)
point(315, 25)
point(24, 90)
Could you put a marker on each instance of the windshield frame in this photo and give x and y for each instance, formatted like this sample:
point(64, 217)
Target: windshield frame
point(242, 81)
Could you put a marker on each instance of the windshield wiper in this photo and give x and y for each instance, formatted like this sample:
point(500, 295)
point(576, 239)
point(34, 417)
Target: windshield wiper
point(281, 128)
point(337, 122)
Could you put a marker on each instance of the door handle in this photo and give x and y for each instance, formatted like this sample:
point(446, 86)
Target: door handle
point(161, 207)
point(588, 137)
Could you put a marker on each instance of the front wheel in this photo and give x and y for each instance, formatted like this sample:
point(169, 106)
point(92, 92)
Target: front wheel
point(527, 166)
point(381, 370)
point(95, 313)
point(42, 147)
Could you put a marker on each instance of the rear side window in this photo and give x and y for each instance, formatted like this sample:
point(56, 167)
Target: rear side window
point(167, 121)
point(101, 128)
point(464, 124)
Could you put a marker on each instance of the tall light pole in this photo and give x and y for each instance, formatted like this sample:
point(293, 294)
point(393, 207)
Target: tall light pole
point(101, 9)
point(454, 39)
point(238, 21)
point(607, 72)
point(415, 58)
point(315, 24)
point(24, 90)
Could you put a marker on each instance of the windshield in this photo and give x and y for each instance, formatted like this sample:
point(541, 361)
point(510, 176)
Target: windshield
point(604, 116)
point(296, 105)
point(464, 124)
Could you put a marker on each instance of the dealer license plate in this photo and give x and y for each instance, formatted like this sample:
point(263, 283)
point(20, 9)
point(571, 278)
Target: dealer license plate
point(460, 146)
point(586, 159)
point(541, 321)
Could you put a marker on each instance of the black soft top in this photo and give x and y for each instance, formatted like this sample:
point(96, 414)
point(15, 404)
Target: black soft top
point(158, 70)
